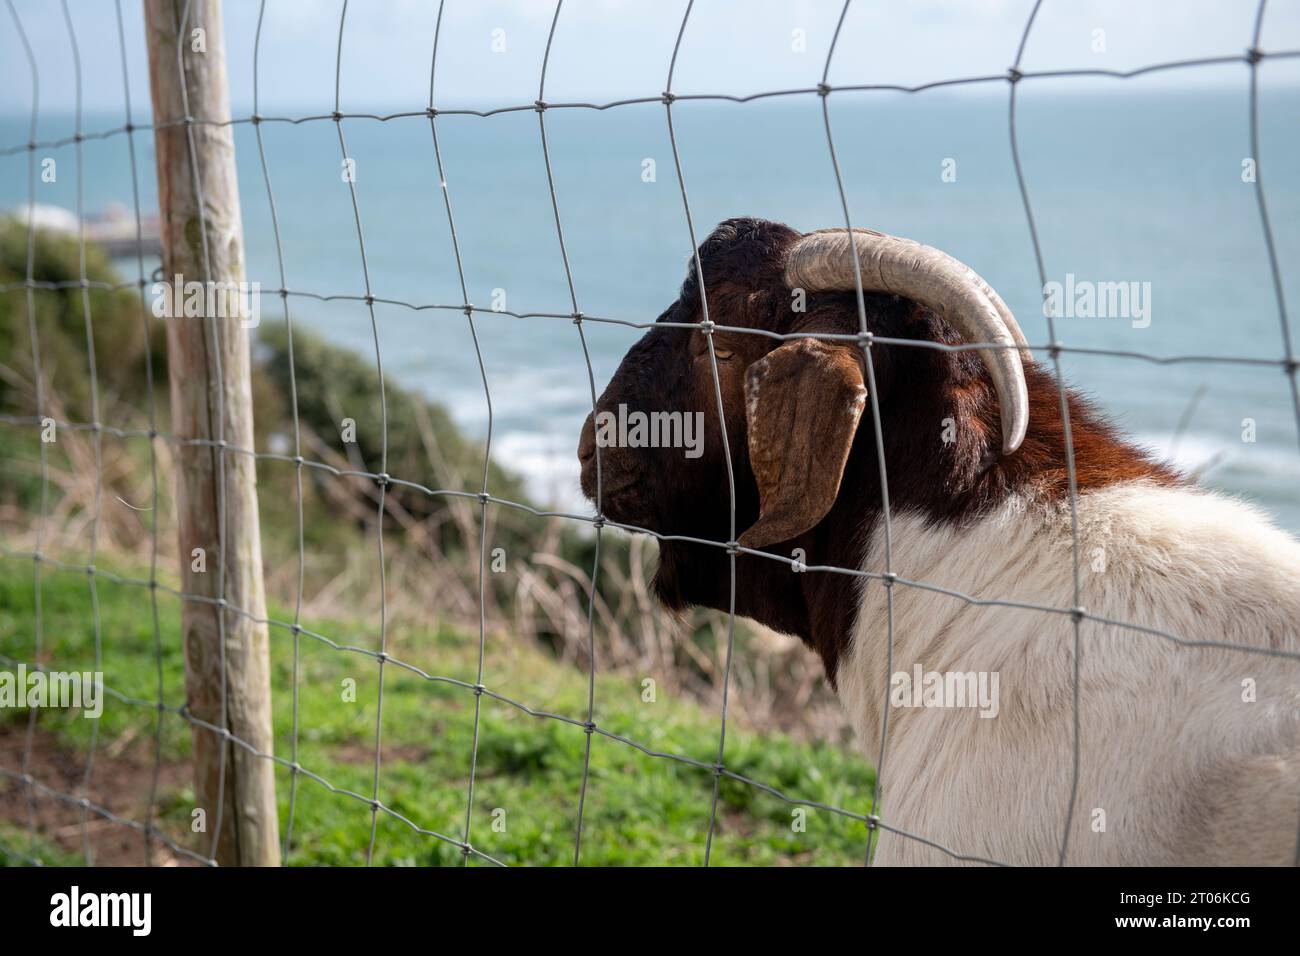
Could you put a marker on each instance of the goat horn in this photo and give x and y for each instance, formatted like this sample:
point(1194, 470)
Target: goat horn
point(824, 260)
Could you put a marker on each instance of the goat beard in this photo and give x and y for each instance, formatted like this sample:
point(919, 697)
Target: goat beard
point(691, 575)
point(666, 583)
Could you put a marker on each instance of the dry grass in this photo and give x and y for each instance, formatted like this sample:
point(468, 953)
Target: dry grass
point(431, 570)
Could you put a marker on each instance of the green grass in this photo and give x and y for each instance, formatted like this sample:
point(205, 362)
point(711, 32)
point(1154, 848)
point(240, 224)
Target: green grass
point(640, 809)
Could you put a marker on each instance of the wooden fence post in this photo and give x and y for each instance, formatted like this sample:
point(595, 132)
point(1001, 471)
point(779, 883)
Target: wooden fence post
point(211, 400)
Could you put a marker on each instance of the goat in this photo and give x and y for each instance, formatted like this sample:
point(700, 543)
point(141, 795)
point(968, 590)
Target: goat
point(1187, 754)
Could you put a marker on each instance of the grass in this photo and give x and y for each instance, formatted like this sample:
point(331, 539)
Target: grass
point(640, 810)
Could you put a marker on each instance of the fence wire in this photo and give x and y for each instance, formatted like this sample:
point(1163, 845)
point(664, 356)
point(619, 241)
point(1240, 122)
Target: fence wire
point(588, 725)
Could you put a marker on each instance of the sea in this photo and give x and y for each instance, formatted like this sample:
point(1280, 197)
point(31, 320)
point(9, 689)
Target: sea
point(1155, 189)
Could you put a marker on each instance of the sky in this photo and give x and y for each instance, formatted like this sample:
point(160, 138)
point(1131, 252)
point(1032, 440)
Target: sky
point(491, 51)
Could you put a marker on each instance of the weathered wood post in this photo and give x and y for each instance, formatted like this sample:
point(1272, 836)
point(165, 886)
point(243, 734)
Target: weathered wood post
point(211, 400)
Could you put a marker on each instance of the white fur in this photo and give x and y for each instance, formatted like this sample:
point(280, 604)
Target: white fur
point(1185, 771)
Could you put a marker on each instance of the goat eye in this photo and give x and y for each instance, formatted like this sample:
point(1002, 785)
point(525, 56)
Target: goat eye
point(722, 354)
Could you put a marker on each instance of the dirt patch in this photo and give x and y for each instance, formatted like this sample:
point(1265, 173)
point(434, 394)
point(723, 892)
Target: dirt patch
point(120, 785)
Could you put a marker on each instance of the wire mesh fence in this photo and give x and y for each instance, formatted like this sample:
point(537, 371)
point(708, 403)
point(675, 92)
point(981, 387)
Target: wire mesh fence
point(587, 722)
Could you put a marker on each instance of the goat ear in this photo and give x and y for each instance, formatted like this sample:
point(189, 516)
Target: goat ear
point(802, 405)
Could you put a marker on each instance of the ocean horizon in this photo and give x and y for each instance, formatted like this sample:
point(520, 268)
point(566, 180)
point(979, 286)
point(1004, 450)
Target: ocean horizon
point(1141, 188)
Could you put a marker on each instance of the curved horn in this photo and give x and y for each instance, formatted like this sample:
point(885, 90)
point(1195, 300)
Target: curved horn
point(824, 260)
point(1007, 318)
